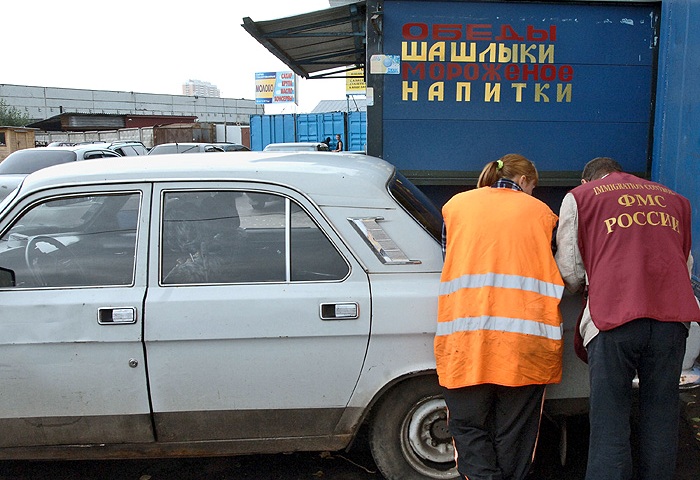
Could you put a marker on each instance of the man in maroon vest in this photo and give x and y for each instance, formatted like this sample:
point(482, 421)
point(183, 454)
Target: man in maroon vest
point(628, 241)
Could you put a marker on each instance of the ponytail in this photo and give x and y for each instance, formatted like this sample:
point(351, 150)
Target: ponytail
point(510, 166)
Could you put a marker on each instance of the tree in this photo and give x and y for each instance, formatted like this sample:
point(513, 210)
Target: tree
point(12, 116)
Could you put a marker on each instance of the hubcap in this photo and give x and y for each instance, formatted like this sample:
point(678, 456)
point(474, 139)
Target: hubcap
point(426, 442)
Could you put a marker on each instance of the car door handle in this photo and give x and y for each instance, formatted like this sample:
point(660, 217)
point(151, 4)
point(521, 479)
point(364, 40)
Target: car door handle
point(116, 316)
point(340, 311)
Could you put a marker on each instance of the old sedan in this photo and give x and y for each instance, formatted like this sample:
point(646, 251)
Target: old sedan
point(149, 311)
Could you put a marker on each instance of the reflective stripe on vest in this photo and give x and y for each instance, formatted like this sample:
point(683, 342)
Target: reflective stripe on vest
point(500, 324)
point(502, 281)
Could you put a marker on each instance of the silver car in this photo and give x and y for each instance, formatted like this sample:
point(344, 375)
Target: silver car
point(21, 163)
point(151, 311)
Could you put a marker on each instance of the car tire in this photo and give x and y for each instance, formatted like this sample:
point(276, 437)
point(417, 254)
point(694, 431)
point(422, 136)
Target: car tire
point(408, 433)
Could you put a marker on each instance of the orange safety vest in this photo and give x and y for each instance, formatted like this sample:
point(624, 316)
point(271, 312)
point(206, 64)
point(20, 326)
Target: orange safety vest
point(498, 310)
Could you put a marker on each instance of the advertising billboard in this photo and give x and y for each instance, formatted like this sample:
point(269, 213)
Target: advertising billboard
point(275, 87)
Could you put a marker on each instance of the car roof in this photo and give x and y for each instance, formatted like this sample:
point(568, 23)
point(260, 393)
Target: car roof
point(196, 143)
point(319, 174)
point(99, 143)
point(193, 147)
point(294, 145)
point(72, 148)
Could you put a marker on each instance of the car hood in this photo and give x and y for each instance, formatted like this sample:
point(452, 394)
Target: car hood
point(9, 183)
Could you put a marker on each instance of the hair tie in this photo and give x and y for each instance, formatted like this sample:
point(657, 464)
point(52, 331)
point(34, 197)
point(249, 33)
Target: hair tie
point(499, 164)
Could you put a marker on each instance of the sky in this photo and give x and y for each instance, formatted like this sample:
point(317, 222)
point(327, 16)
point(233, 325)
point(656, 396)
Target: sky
point(150, 46)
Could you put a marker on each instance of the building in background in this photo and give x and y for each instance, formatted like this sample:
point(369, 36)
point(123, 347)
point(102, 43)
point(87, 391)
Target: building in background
point(104, 109)
point(201, 89)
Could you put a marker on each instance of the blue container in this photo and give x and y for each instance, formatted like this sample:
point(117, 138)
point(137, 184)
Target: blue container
point(266, 129)
point(316, 127)
point(357, 132)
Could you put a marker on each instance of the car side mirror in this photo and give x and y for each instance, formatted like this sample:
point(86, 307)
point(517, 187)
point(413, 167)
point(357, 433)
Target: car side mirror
point(7, 277)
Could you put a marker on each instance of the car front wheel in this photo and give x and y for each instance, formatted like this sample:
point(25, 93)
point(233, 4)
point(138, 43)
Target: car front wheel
point(408, 434)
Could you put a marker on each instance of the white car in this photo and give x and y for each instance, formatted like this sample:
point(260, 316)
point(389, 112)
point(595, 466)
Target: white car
point(149, 310)
point(297, 147)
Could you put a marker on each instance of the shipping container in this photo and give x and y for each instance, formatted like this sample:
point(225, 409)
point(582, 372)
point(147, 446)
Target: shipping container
point(310, 127)
point(266, 129)
point(316, 127)
point(357, 131)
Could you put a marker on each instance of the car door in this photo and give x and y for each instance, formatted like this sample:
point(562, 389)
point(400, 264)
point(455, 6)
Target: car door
point(72, 368)
point(257, 319)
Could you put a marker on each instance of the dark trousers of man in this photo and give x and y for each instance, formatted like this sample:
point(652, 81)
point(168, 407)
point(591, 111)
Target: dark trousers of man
point(494, 429)
point(654, 350)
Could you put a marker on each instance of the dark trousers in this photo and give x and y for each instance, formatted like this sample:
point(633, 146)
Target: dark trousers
point(494, 429)
point(654, 350)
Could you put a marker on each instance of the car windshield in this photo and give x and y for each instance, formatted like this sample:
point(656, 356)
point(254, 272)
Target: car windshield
point(24, 162)
point(174, 148)
point(417, 204)
point(235, 148)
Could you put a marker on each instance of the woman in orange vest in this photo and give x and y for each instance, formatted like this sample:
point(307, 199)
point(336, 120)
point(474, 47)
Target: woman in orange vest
point(499, 333)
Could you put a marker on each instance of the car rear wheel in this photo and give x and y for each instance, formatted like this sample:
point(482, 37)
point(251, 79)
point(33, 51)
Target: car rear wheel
point(408, 434)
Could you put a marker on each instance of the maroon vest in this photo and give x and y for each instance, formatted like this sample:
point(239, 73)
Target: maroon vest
point(634, 237)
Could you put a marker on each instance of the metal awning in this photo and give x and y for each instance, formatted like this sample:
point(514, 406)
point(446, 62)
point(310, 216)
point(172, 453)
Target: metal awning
point(325, 43)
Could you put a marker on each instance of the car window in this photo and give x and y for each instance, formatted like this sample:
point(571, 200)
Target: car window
point(417, 204)
point(184, 148)
point(235, 148)
point(126, 151)
point(243, 237)
point(99, 154)
point(163, 149)
point(74, 241)
point(24, 162)
point(213, 148)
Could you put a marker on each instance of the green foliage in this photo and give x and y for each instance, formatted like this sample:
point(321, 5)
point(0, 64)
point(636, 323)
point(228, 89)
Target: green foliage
point(12, 116)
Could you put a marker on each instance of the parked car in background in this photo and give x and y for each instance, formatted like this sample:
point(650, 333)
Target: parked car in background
point(19, 164)
point(125, 148)
point(297, 147)
point(194, 147)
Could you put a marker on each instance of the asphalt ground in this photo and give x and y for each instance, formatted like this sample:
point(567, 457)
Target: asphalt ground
point(354, 465)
